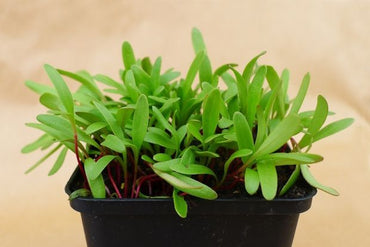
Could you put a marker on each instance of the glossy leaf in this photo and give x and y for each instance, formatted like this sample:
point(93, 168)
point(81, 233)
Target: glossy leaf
point(109, 119)
point(114, 143)
point(100, 165)
point(290, 158)
point(333, 128)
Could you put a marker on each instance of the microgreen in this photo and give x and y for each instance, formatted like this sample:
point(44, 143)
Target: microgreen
point(152, 134)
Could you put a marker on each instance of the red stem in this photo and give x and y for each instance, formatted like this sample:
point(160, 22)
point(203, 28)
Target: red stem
point(113, 183)
point(80, 165)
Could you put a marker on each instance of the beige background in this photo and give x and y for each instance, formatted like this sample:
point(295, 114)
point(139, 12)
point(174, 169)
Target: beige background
point(330, 39)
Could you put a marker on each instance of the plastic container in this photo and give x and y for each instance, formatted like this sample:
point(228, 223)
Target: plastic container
point(222, 222)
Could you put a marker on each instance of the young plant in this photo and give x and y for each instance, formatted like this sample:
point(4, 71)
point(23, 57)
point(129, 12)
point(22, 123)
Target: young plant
point(157, 135)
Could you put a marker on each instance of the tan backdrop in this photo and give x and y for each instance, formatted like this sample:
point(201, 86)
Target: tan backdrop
point(330, 39)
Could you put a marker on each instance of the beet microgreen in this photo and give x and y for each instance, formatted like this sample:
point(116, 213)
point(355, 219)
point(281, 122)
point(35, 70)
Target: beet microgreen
point(155, 135)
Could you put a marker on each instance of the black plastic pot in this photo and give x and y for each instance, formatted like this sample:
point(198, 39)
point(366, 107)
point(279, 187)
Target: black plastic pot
point(222, 222)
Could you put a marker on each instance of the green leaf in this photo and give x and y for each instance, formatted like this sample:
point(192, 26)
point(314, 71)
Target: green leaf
point(211, 113)
point(79, 193)
point(291, 181)
point(261, 128)
point(42, 141)
point(313, 182)
point(133, 91)
point(242, 85)
point(159, 137)
point(109, 119)
point(156, 73)
point(193, 127)
point(40, 88)
point(114, 143)
point(188, 185)
point(268, 178)
point(97, 185)
point(318, 119)
point(192, 169)
point(40, 161)
point(248, 70)
point(274, 81)
point(251, 181)
point(94, 127)
point(333, 128)
point(243, 132)
point(290, 158)
point(59, 162)
point(192, 72)
point(254, 94)
point(159, 157)
point(51, 101)
point(140, 121)
point(110, 82)
point(128, 55)
point(287, 128)
point(298, 100)
point(84, 80)
point(180, 204)
point(62, 89)
point(164, 166)
point(197, 39)
point(163, 121)
point(100, 165)
point(237, 154)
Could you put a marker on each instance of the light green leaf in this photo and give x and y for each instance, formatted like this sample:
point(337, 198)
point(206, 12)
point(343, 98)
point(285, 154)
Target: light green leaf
point(254, 94)
point(94, 127)
point(268, 178)
point(248, 70)
point(251, 181)
point(100, 165)
point(42, 141)
point(109, 119)
point(97, 185)
point(62, 89)
point(79, 193)
point(128, 55)
point(40, 88)
point(164, 166)
point(192, 169)
point(192, 72)
point(313, 182)
point(291, 181)
point(160, 137)
point(318, 119)
point(180, 204)
point(243, 132)
point(114, 143)
point(333, 128)
point(84, 80)
point(211, 111)
point(287, 128)
point(237, 154)
point(40, 161)
point(59, 162)
point(298, 100)
point(51, 101)
point(290, 158)
point(140, 121)
point(162, 157)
